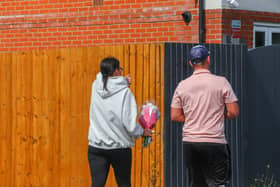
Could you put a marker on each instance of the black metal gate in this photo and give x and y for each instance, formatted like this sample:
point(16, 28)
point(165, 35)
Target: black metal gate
point(228, 61)
point(264, 112)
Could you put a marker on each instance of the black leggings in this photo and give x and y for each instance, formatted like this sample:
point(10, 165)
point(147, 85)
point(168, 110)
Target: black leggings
point(208, 164)
point(100, 161)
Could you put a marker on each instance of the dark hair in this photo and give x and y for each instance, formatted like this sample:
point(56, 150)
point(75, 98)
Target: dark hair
point(199, 61)
point(107, 67)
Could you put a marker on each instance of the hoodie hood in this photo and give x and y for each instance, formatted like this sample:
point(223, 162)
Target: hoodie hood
point(114, 85)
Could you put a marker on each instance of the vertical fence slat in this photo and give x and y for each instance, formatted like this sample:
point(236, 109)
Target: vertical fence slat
point(152, 95)
point(145, 97)
point(63, 58)
point(5, 118)
point(139, 98)
point(132, 71)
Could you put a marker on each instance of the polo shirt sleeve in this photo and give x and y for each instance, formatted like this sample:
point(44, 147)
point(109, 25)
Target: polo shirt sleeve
point(228, 93)
point(176, 100)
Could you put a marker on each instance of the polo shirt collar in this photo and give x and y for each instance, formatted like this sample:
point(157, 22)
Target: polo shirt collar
point(201, 71)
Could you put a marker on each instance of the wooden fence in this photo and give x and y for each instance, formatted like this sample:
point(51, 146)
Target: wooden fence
point(44, 106)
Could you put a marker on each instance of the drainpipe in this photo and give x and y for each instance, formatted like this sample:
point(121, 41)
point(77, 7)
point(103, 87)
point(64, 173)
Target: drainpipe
point(201, 22)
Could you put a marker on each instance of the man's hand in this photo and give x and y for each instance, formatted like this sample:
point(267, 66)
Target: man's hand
point(177, 114)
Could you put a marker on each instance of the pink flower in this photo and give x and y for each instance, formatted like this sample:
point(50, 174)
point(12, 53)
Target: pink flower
point(149, 116)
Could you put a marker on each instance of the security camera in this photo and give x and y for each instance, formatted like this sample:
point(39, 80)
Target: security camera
point(233, 3)
point(187, 16)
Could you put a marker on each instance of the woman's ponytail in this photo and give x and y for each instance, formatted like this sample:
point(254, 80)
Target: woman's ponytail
point(107, 68)
point(105, 80)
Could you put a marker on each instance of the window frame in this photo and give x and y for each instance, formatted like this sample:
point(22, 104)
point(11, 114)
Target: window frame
point(268, 29)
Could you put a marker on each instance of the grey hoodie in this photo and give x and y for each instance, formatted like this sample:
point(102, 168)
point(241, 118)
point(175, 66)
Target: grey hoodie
point(112, 115)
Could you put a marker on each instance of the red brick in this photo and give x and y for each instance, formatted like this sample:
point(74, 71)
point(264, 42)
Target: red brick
point(65, 42)
point(140, 30)
point(119, 41)
point(151, 30)
point(114, 26)
point(103, 36)
point(152, 39)
point(146, 35)
point(72, 38)
point(81, 38)
point(140, 40)
point(129, 30)
point(135, 25)
point(87, 42)
point(212, 36)
point(215, 41)
point(93, 37)
point(119, 31)
point(163, 29)
point(163, 39)
point(135, 35)
point(157, 34)
point(169, 33)
point(108, 41)
point(214, 31)
point(124, 35)
point(37, 44)
point(98, 32)
point(77, 42)
point(18, 44)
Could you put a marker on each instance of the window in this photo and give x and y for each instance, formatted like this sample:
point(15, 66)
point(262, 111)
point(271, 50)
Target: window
point(276, 38)
point(98, 2)
point(266, 34)
point(259, 38)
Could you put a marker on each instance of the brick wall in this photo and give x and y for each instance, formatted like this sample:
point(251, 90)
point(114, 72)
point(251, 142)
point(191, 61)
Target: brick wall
point(41, 24)
point(33, 24)
point(213, 25)
point(218, 23)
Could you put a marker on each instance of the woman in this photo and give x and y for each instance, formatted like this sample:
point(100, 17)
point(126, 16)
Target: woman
point(113, 126)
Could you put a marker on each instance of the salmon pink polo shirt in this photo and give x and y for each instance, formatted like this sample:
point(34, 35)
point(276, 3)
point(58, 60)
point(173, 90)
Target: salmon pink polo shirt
point(202, 97)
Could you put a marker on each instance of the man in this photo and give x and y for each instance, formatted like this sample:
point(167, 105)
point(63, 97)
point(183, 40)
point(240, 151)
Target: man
point(199, 101)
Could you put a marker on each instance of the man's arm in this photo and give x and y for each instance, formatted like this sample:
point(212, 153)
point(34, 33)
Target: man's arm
point(232, 110)
point(177, 115)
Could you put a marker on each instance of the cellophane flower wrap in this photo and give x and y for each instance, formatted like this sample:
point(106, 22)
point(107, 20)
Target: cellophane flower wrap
point(148, 118)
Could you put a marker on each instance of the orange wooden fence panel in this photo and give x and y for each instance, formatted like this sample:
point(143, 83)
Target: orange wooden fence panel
point(44, 106)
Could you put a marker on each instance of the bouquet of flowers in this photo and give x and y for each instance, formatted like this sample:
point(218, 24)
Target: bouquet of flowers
point(148, 118)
